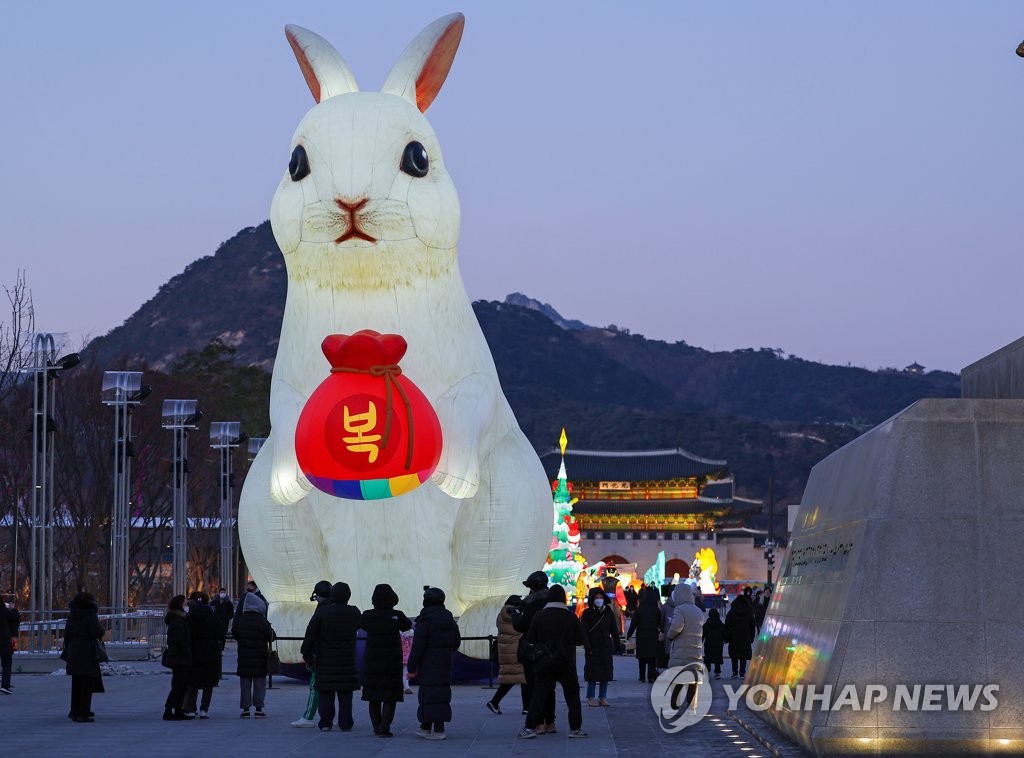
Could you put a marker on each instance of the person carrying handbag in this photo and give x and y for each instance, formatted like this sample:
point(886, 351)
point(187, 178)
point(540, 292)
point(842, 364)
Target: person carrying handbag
point(82, 632)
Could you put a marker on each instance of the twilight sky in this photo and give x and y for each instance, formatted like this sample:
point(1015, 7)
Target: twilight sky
point(842, 181)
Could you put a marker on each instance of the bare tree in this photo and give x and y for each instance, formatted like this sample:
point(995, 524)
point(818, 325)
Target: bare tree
point(15, 334)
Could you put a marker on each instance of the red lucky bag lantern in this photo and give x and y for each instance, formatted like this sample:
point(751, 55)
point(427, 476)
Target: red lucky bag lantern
point(367, 432)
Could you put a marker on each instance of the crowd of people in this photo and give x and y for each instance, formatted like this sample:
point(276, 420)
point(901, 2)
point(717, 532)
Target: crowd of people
point(537, 639)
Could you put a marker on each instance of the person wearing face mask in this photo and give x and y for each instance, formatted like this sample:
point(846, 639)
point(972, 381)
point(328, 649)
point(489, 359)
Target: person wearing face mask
point(600, 643)
point(223, 610)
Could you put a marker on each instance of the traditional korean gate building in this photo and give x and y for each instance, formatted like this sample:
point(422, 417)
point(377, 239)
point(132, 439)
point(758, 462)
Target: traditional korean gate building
point(633, 504)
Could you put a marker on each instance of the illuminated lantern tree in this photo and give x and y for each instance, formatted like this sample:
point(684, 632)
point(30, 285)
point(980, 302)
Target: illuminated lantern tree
point(565, 561)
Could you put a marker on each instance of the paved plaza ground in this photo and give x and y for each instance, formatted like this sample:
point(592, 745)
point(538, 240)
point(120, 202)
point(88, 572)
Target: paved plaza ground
point(33, 721)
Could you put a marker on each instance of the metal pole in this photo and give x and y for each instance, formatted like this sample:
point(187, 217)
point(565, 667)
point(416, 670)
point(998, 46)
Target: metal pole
point(226, 535)
point(179, 579)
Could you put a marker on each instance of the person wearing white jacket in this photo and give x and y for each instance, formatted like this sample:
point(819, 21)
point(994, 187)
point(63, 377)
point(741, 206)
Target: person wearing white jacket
point(685, 635)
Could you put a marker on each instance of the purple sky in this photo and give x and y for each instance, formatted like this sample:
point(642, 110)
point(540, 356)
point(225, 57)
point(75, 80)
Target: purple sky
point(842, 181)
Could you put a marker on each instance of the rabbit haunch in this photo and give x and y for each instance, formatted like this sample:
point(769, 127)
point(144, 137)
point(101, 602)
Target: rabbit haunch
point(354, 145)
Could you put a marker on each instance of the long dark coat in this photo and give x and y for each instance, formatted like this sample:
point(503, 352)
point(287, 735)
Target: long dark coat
point(253, 633)
point(205, 633)
point(646, 624)
point(329, 645)
point(382, 657)
point(740, 630)
point(10, 620)
point(81, 632)
point(434, 642)
point(510, 670)
point(179, 643)
point(600, 640)
point(714, 637)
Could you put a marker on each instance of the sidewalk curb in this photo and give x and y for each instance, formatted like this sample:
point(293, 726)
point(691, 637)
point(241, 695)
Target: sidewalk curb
point(756, 729)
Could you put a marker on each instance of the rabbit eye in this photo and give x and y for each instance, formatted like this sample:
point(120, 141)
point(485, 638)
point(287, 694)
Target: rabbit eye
point(298, 166)
point(414, 160)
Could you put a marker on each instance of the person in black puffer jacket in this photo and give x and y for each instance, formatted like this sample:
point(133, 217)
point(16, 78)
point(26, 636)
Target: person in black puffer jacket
point(435, 640)
point(382, 659)
point(206, 634)
point(177, 657)
point(739, 633)
point(329, 648)
point(556, 627)
point(714, 640)
point(253, 634)
point(81, 632)
point(537, 583)
point(646, 623)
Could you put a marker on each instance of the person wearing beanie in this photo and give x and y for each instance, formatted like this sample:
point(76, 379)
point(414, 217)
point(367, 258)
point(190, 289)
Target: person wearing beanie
point(522, 617)
point(329, 649)
point(383, 687)
point(254, 635)
point(556, 631)
point(322, 595)
point(434, 643)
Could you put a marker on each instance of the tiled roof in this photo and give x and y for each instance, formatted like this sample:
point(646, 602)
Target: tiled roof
point(608, 507)
point(629, 465)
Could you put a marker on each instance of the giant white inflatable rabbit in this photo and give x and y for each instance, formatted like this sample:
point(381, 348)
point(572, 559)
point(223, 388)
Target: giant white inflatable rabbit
point(368, 220)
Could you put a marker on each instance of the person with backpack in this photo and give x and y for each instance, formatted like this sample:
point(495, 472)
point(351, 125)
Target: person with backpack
point(552, 639)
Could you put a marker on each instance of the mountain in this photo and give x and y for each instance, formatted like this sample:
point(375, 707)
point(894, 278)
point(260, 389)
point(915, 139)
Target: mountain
point(768, 414)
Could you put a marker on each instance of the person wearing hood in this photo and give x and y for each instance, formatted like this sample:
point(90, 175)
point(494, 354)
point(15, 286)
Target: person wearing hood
point(685, 635)
point(557, 629)
point(207, 640)
point(434, 642)
point(510, 670)
point(714, 640)
point(383, 687)
point(329, 648)
point(321, 595)
point(253, 634)
point(646, 623)
point(81, 633)
point(739, 633)
point(600, 643)
point(177, 657)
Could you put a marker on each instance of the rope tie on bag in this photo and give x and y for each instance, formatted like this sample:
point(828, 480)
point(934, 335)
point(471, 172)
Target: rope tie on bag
point(389, 374)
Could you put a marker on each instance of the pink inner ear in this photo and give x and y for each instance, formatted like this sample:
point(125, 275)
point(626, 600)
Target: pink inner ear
point(307, 71)
point(438, 64)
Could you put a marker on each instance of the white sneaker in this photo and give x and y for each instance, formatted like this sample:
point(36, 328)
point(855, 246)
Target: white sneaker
point(304, 723)
point(437, 736)
point(424, 733)
point(204, 715)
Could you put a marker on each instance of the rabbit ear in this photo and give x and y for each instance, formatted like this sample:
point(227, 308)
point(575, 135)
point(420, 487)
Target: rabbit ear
point(424, 64)
point(325, 70)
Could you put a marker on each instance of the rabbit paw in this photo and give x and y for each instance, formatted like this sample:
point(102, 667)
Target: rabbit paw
point(289, 486)
point(456, 486)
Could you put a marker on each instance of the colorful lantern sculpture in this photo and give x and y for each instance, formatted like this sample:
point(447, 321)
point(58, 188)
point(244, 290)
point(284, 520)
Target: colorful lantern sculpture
point(367, 432)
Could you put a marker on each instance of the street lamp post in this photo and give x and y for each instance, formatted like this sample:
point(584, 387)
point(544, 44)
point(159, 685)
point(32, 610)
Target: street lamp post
point(45, 370)
point(123, 391)
point(225, 436)
point(179, 416)
point(253, 449)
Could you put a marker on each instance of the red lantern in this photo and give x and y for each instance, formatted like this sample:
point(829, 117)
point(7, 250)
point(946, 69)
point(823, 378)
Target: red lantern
point(367, 432)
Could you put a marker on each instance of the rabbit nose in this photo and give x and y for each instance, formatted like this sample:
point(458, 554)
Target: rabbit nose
point(353, 205)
